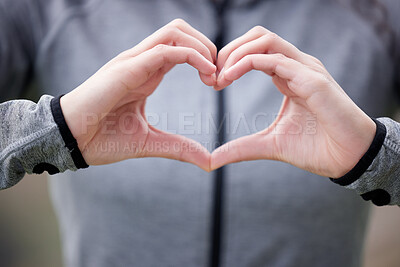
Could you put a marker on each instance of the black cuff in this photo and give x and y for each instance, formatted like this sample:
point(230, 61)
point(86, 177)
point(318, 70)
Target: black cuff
point(70, 141)
point(367, 159)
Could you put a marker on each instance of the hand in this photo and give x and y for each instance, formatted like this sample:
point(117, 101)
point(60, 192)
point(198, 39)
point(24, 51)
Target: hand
point(341, 132)
point(106, 114)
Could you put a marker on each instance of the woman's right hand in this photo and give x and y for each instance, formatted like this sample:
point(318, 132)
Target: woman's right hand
point(114, 99)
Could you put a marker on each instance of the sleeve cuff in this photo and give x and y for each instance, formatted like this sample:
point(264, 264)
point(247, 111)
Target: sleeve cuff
point(367, 159)
point(70, 141)
point(379, 197)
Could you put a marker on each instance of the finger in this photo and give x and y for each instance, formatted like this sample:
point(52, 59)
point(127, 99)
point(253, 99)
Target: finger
point(282, 86)
point(180, 33)
point(271, 64)
point(164, 54)
point(265, 44)
point(177, 33)
point(173, 37)
point(188, 29)
point(223, 82)
point(209, 80)
point(259, 41)
point(144, 65)
point(252, 34)
point(178, 147)
point(251, 147)
point(177, 37)
point(320, 93)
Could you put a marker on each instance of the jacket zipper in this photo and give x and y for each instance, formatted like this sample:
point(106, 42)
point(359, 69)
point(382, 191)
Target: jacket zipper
point(218, 186)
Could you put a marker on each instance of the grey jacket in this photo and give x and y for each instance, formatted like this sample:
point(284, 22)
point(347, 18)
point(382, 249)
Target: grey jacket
point(133, 214)
point(30, 137)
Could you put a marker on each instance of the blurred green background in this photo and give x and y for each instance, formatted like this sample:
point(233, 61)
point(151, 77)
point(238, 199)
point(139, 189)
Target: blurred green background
point(29, 233)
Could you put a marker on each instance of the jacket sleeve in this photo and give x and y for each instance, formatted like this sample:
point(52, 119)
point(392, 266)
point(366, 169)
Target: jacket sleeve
point(376, 176)
point(35, 138)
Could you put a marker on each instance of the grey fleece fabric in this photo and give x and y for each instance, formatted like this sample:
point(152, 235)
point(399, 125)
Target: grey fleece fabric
point(29, 136)
point(157, 212)
point(384, 172)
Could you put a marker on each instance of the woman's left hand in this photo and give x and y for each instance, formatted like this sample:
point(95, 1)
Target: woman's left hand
point(340, 131)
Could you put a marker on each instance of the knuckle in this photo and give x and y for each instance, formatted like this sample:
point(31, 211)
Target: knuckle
point(160, 48)
point(314, 81)
point(193, 52)
point(259, 29)
point(189, 50)
point(270, 40)
point(272, 37)
point(124, 54)
point(235, 55)
point(171, 32)
point(322, 80)
point(280, 57)
point(317, 61)
point(301, 80)
point(188, 53)
point(248, 59)
point(178, 22)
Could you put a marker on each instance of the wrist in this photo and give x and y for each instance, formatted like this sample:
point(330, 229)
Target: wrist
point(367, 158)
point(73, 119)
point(359, 138)
point(67, 136)
point(367, 129)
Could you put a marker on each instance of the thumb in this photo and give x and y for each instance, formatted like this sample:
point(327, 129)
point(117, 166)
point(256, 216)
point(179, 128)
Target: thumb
point(173, 146)
point(250, 147)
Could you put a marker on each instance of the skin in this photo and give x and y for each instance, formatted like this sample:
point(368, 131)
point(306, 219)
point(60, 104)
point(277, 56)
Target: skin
point(341, 131)
point(109, 108)
point(340, 134)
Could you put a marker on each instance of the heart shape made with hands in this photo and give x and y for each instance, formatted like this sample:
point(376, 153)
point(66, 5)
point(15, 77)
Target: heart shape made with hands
point(123, 85)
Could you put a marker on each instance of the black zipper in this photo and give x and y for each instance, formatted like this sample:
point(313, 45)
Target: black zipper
point(217, 210)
